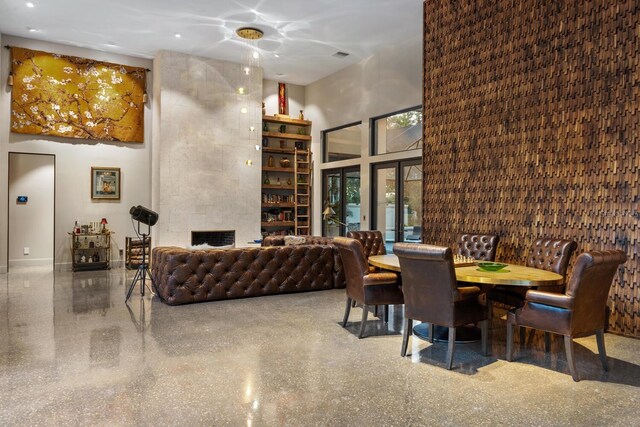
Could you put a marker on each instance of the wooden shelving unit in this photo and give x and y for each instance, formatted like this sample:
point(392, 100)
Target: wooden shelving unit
point(286, 206)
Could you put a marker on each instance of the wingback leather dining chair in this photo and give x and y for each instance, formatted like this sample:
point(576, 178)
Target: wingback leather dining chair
point(546, 254)
point(478, 246)
point(431, 294)
point(578, 312)
point(363, 286)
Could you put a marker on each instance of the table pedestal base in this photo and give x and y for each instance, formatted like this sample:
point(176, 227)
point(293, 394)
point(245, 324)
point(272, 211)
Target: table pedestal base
point(464, 334)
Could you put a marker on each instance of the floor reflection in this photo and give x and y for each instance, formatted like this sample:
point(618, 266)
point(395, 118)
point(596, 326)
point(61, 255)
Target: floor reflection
point(91, 293)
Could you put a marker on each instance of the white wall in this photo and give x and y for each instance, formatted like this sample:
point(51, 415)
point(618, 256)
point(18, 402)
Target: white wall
point(388, 81)
point(31, 223)
point(74, 158)
point(201, 179)
point(295, 94)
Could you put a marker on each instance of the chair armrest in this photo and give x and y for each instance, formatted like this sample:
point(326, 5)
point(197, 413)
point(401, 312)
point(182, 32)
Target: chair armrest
point(384, 278)
point(550, 298)
point(468, 292)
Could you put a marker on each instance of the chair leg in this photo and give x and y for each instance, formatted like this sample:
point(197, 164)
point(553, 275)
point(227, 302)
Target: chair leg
point(375, 310)
point(353, 304)
point(347, 310)
point(523, 335)
point(452, 343)
point(408, 331)
point(484, 331)
point(363, 325)
point(509, 342)
point(490, 310)
point(568, 348)
point(432, 331)
point(547, 342)
point(386, 314)
point(601, 349)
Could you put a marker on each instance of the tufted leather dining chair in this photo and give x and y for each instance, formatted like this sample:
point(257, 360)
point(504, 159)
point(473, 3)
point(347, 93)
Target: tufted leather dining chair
point(371, 240)
point(578, 312)
point(431, 294)
point(546, 254)
point(478, 246)
point(363, 286)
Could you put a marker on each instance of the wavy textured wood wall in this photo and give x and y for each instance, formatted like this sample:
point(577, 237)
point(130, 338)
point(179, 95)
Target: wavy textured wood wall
point(532, 128)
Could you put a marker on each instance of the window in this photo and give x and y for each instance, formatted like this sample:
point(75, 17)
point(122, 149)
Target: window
point(342, 143)
point(400, 131)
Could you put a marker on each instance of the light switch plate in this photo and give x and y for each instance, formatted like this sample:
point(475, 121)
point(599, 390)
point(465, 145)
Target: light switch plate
point(26, 250)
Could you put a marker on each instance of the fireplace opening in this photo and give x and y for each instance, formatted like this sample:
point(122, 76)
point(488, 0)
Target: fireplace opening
point(214, 237)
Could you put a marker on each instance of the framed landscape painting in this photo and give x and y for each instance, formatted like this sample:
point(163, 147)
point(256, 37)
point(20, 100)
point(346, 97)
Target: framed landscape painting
point(105, 183)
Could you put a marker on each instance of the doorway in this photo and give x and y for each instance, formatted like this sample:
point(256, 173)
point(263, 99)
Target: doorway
point(341, 201)
point(397, 201)
point(31, 227)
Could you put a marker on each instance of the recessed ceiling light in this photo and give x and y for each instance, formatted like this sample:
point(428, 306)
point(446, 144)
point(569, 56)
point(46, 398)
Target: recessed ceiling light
point(340, 54)
point(276, 55)
point(30, 5)
point(31, 30)
point(111, 44)
point(177, 35)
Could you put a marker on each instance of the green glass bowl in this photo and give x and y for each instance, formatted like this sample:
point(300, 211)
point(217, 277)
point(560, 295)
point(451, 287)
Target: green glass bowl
point(491, 266)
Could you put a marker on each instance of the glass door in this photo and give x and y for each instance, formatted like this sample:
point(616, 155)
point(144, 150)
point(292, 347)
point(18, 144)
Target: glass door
point(341, 205)
point(397, 201)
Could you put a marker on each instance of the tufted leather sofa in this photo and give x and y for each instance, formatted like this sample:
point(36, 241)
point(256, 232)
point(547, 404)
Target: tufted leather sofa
point(182, 276)
point(315, 240)
point(478, 246)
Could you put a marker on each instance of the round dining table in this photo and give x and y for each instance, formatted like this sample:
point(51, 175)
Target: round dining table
point(511, 275)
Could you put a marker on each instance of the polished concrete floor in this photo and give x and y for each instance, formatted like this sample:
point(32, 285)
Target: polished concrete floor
point(72, 353)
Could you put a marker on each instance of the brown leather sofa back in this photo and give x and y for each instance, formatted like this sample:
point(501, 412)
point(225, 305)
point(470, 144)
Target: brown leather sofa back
point(184, 276)
point(314, 240)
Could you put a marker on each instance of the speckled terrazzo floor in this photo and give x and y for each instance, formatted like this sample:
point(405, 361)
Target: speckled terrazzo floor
point(72, 353)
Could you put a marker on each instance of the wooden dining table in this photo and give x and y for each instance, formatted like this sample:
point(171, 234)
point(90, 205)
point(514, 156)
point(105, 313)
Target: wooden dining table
point(511, 275)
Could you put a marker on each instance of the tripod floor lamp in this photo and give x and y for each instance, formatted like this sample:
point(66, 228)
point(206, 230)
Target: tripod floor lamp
point(149, 218)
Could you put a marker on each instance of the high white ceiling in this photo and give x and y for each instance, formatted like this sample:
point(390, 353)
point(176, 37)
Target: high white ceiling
point(304, 33)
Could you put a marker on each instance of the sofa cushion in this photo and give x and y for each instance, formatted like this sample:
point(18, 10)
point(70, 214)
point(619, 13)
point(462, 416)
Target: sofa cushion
point(294, 240)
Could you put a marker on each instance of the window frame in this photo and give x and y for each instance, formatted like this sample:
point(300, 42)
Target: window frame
point(325, 154)
point(373, 130)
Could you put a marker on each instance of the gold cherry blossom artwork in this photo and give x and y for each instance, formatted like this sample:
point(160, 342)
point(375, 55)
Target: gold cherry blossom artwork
point(76, 97)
